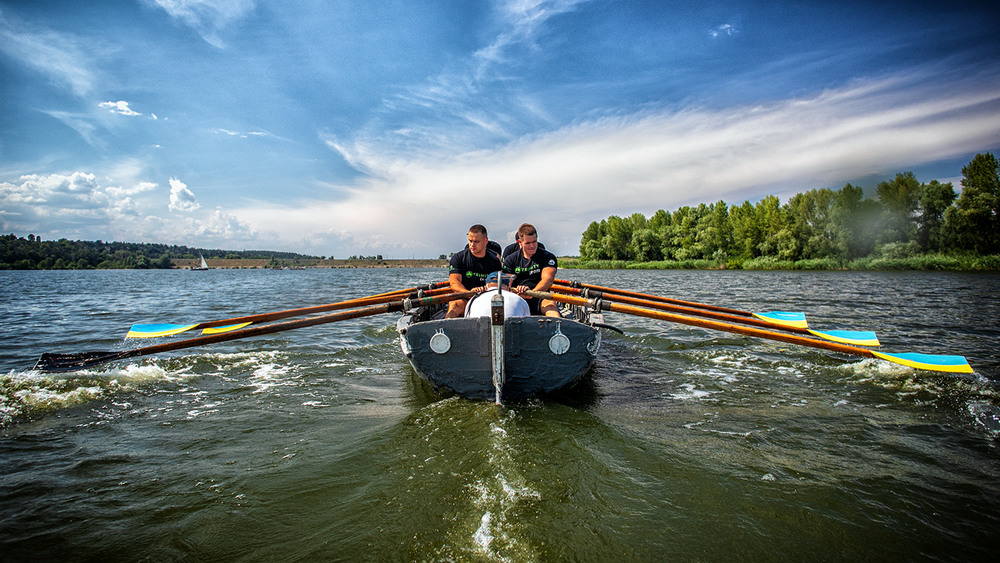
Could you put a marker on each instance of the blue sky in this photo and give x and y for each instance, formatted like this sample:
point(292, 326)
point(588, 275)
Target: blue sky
point(357, 127)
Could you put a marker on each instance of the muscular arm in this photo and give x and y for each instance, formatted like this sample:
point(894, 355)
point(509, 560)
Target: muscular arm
point(548, 277)
point(455, 283)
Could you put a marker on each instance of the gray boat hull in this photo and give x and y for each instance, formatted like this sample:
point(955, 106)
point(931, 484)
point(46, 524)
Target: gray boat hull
point(542, 355)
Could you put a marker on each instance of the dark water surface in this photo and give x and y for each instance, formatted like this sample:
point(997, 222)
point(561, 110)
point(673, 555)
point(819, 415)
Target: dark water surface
point(321, 444)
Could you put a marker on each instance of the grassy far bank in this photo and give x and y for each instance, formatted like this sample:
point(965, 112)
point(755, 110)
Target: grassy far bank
point(927, 262)
point(302, 263)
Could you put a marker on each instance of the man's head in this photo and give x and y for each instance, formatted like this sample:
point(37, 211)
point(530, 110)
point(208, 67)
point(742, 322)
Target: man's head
point(527, 237)
point(477, 240)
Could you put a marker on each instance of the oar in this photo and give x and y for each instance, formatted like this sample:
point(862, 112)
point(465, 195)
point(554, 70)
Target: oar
point(649, 297)
point(82, 360)
point(954, 364)
point(853, 337)
point(784, 319)
point(226, 325)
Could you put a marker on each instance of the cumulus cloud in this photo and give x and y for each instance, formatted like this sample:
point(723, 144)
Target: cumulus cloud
point(181, 198)
point(79, 205)
point(68, 205)
point(120, 107)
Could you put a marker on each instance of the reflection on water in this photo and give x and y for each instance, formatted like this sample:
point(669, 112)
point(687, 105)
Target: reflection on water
point(322, 444)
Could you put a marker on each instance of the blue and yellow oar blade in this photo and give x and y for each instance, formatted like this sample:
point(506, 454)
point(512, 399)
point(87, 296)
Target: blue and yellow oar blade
point(852, 337)
point(784, 318)
point(156, 330)
point(221, 329)
point(933, 362)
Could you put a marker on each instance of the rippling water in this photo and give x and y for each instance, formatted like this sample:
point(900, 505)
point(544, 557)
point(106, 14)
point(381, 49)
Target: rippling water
point(321, 443)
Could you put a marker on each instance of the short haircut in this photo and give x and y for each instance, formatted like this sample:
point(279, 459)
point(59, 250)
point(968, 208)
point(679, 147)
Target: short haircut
point(526, 230)
point(478, 229)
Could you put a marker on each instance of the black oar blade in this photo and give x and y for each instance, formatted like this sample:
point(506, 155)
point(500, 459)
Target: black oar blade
point(80, 360)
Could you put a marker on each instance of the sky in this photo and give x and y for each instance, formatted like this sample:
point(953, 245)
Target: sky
point(353, 127)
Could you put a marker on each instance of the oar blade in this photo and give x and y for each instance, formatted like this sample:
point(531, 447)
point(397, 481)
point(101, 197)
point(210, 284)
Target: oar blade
point(157, 330)
point(852, 337)
point(784, 318)
point(932, 362)
point(50, 362)
point(221, 329)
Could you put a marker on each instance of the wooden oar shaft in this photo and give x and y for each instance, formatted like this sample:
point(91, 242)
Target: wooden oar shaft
point(655, 298)
point(349, 304)
point(677, 309)
point(65, 362)
point(705, 323)
point(409, 290)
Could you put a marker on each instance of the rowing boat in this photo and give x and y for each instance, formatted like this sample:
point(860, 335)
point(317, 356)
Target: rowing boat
point(487, 357)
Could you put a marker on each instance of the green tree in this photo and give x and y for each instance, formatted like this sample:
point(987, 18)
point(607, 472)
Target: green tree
point(679, 242)
point(616, 238)
point(974, 222)
point(935, 199)
point(747, 231)
point(771, 219)
point(899, 199)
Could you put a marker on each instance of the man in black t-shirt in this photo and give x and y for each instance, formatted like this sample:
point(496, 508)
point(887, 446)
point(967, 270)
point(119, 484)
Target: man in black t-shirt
point(533, 268)
point(469, 267)
point(515, 247)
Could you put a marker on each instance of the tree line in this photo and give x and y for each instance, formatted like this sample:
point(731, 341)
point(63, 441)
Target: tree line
point(820, 228)
point(33, 253)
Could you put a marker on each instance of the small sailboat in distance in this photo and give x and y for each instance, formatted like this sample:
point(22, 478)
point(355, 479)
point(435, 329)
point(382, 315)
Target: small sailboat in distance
point(203, 266)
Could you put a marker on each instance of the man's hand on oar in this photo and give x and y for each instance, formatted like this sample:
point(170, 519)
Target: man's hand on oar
point(780, 320)
point(83, 360)
point(227, 325)
point(954, 364)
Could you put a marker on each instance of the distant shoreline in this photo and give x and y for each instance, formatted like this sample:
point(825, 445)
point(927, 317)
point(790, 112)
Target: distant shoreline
point(263, 264)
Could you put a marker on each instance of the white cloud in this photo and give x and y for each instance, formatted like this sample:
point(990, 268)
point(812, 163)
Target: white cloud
point(67, 205)
point(63, 57)
point(207, 17)
point(79, 206)
point(656, 160)
point(181, 198)
point(120, 107)
point(725, 29)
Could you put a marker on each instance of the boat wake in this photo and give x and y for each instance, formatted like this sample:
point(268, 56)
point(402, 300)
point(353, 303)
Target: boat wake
point(498, 496)
point(28, 395)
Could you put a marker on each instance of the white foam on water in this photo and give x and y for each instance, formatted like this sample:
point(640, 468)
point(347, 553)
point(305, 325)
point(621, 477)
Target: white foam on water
point(496, 497)
point(483, 537)
point(24, 393)
point(268, 376)
point(690, 392)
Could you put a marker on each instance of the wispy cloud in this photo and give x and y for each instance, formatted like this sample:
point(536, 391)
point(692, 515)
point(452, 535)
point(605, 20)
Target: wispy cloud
point(60, 56)
point(474, 102)
point(241, 134)
point(207, 17)
point(81, 123)
point(725, 29)
point(649, 161)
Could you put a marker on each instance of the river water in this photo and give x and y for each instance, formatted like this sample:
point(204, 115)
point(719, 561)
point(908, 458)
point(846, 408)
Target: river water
point(322, 444)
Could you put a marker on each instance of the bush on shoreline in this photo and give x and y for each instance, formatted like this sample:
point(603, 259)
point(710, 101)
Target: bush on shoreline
point(927, 262)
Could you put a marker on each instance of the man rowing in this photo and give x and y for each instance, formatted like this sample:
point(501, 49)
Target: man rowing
point(469, 268)
point(534, 269)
